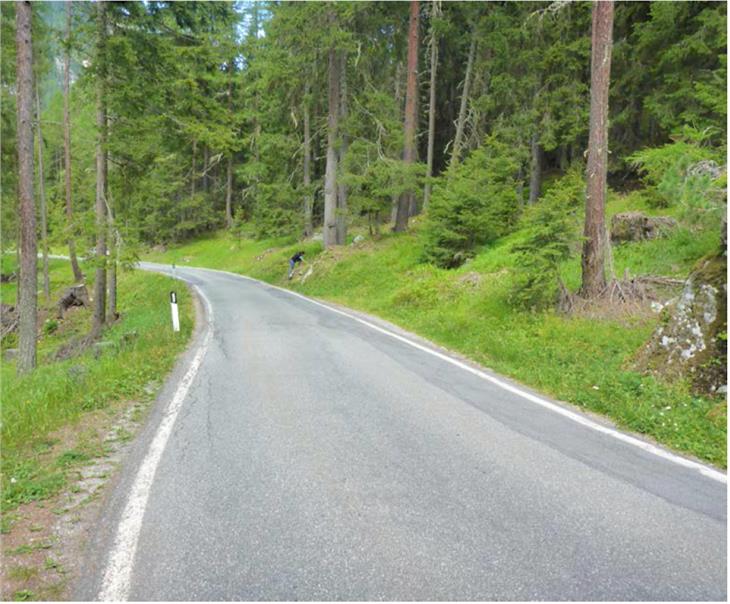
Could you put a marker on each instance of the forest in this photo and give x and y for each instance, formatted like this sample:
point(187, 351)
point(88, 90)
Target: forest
point(454, 128)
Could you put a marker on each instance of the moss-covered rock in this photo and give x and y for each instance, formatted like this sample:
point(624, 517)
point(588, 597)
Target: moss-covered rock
point(691, 340)
point(635, 226)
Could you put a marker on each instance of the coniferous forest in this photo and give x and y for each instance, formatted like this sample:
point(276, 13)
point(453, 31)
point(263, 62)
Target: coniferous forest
point(563, 160)
point(540, 186)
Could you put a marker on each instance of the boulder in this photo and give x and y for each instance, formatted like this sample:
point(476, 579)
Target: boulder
point(10, 353)
point(76, 295)
point(635, 226)
point(691, 340)
point(357, 239)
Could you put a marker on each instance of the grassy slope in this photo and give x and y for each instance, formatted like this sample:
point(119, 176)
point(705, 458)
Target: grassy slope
point(58, 394)
point(582, 361)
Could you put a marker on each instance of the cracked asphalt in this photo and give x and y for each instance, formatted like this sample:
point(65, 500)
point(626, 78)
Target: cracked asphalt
point(317, 459)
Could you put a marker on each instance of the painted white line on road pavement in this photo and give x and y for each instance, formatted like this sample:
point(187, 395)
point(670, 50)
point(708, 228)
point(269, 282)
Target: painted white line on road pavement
point(572, 415)
point(117, 578)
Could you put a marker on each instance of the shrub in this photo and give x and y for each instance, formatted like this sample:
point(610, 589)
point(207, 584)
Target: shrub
point(683, 174)
point(473, 204)
point(550, 228)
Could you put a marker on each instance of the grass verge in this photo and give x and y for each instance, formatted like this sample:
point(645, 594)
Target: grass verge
point(36, 409)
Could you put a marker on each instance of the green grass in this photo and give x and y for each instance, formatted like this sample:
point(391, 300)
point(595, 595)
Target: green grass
point(59, 394)
point(581, 361)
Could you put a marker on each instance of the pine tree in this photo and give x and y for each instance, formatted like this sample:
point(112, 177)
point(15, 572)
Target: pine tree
point(101, 173)
point(27, 285)
point(406, 201)
point(593, 259)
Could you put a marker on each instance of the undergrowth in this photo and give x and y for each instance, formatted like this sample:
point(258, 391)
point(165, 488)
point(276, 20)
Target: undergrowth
point(57, 394)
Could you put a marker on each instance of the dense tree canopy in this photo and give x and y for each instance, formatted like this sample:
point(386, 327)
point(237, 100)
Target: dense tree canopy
point(218, 112)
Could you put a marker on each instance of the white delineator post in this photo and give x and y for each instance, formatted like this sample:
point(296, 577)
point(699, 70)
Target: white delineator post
point(175, 315)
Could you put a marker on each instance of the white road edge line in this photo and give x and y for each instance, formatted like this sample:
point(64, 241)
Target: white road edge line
point(576, 417)
point(117, 578)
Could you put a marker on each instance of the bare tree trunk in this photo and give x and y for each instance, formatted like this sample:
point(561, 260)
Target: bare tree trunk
point(78, 275)
point(459, 137)
point(101, 174)
point(411, 117)
point(28, 281)
point(42, 191)
point(341, 214)
point(563, 158)
point(112, 282)
point(192, 169)
point(206, 158)
point(435, 11)
point(535, 169)
point(229, 163)
point(593, 261)
point(307, 168)
point(330, 180)
point(229, 191)
point(111, 277)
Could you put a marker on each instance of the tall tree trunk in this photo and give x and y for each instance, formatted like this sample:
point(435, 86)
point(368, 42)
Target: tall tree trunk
point(112, 279)
point(341, 214)
point(229, 191)
point(330, 179)
point(229, 163)
point(398, 96)
point(461, 122)
point(42, 193)
point(101, 174)
point(78, 275)
point(307, 168)
point(563, 158)
point(113, 238)
point(593, 260)
point(535, 168)
point(192, 169)
point(435, 11)
point(411, 117)
point(206, 157)
point(28, 281)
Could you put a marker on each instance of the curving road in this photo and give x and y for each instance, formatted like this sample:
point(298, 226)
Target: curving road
point(301, 454)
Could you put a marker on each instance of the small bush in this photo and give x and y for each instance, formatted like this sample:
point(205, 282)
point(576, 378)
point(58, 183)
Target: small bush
point(50, 326)
point(551, 230)
point(473, 204)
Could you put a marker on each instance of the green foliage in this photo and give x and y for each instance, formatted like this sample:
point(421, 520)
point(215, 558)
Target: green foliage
point(472, 205)
point(686, 175)
point(550, 232)
point(50, 326)
point(682, 49)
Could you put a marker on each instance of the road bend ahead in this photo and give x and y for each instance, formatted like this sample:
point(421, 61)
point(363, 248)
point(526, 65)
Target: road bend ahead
point(299, 454)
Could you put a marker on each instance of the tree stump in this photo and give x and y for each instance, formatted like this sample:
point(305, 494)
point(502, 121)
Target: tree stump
point(76, 295)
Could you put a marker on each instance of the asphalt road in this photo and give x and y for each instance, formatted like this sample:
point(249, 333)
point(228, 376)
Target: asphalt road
point(315, 458)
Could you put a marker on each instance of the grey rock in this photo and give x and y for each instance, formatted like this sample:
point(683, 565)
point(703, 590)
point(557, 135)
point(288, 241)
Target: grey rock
point(688, 340)
point(635, 226)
